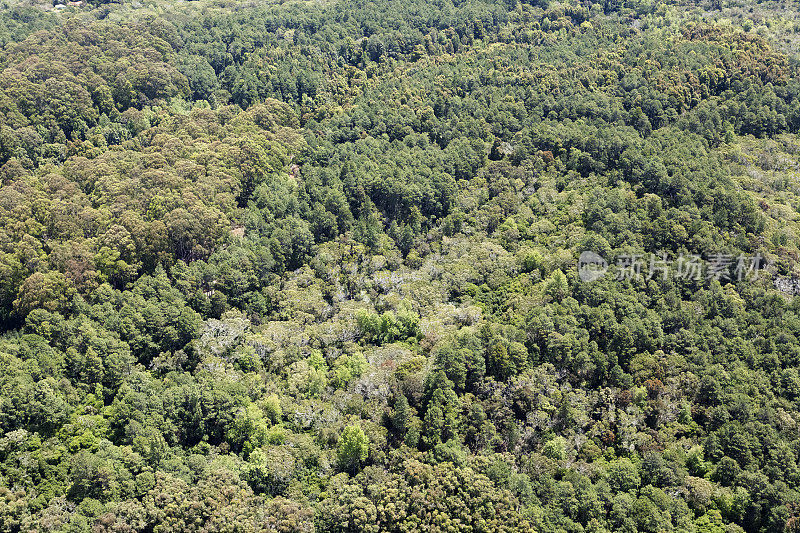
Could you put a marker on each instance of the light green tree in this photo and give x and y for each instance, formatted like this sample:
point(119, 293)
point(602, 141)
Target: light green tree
point(353, 448)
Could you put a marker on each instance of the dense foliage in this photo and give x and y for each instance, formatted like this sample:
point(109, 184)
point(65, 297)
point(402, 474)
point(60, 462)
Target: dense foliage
point(312, 266)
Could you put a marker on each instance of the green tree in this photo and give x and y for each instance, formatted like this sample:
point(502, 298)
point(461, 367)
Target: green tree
point(353, 448)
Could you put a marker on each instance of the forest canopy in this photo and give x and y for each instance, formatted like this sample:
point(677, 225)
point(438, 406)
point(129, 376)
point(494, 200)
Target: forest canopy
point(317, 266)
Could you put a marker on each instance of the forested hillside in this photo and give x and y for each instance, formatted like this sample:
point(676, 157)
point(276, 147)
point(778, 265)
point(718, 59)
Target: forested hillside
point(317, 266)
